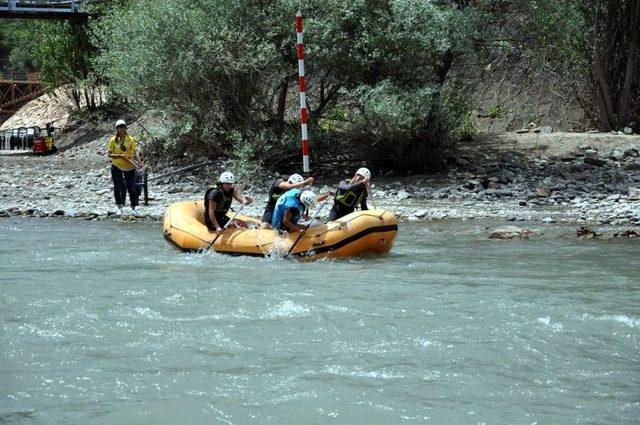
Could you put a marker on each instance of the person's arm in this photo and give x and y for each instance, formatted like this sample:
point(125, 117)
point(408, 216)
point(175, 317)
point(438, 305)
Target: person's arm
point(363, 203)
point(344, 185)
point(212, 215)
point(245, 200)
point(321, 198)
point(112, 148)
point(288, 186)
point(287, 220)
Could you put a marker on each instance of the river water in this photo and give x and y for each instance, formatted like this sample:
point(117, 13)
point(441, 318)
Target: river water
point(105, 323)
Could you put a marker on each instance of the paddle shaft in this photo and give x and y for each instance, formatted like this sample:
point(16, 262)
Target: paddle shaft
point(233, 217)
point(308, 225)
point(373, 203)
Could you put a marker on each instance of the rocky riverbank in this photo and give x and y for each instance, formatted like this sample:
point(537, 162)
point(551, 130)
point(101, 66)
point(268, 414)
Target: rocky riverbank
point(574, 178)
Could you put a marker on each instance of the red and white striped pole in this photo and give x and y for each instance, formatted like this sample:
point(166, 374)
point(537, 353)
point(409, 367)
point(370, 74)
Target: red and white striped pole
point(304, 116)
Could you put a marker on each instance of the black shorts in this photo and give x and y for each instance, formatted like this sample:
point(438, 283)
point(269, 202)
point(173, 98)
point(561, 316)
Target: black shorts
point(222, 221)
point(267, 216)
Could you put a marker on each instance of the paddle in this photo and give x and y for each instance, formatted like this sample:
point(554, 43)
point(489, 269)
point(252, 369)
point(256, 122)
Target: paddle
point(308, 225)
point(233, 217)
point(370, 196)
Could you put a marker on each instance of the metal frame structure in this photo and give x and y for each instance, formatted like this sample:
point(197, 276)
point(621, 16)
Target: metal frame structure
point(16, 89)
point(42, 9)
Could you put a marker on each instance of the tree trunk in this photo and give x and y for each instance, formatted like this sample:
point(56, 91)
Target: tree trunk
point(623, 104)
point(604, 95)
point(282, 99)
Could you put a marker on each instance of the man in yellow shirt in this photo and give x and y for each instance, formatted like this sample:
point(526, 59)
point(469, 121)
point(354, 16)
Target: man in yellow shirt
point(122, 150)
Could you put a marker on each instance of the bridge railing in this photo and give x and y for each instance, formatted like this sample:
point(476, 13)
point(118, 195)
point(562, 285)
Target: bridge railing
point(31, 6)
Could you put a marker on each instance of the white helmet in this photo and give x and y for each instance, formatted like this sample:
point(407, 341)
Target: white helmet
point(120, 122)
point(308, 199)
point(295, 179)
point(364, 172)
point(227, 177)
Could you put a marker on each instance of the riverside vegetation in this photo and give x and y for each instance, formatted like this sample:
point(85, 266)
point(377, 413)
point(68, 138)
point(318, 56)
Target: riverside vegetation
point(380, 94)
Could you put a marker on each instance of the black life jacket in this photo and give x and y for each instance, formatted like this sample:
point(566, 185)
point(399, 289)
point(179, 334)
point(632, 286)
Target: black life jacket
point(275, 192)
point(221, 207)
point(349, 199)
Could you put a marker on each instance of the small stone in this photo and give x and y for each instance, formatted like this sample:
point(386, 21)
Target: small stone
point(628, 130)
point(402, 195)
point(634, 193)
point(420, 213)
point(543, 193)
point(594, 160)
point(58, 212)
point(632, 166)
point(522, 131)
point(548, 220)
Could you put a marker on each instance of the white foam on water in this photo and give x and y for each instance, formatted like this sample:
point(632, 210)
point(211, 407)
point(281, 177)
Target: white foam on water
point(556, 327)
point(148, 313)
point(341, 371)
point(287, 308)
point(619, 318)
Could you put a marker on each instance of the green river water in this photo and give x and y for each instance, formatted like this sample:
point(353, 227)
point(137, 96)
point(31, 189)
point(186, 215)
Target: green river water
point(105, 323)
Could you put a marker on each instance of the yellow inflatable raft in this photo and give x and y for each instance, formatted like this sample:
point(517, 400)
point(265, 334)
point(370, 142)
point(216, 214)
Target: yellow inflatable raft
point(359, 232)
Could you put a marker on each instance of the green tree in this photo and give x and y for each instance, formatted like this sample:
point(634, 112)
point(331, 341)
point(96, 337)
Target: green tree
point(228, 70)
point(594, 45)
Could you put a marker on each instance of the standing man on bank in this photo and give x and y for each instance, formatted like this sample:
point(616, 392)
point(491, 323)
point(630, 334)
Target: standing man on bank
point(123, 152)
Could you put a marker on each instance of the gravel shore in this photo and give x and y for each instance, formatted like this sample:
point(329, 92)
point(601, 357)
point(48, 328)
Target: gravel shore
point(588, 181)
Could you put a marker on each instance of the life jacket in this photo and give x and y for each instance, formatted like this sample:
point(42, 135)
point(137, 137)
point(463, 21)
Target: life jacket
point(350, 198)
point(221, 207)
point(290, 200)
point(275, 192)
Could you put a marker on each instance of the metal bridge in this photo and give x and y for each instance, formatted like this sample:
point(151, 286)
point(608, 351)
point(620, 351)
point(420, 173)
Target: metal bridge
point(43, 9)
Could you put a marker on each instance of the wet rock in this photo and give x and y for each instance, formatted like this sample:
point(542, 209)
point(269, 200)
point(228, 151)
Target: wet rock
point(627, 234)
point(522, 131)
point(585, 232)
point(420, 213)
point(58, 212)
point(549, 220)
point(510, 232)
point(634, 193)
point(628, 130)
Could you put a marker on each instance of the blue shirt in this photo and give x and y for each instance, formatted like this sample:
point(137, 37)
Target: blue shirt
point(289, 201)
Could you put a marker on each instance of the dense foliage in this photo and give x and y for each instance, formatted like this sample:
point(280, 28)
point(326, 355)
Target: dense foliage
point(379, 88)
point(228, 70)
